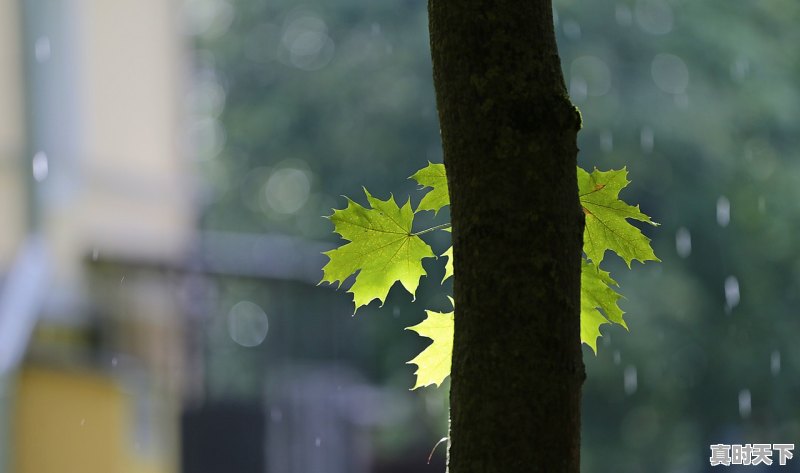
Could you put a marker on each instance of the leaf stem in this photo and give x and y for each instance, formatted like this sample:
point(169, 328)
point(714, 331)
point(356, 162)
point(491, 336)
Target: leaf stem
point(437, 227)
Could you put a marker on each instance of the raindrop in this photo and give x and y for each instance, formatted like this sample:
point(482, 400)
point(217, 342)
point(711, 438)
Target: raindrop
point(654, 16)
point(83, 422)
point(744, 403)
point(114, 361)
point(40, 166)
point(631, 381)
point(723, 211)
point(42, 49)
point(683, 242)
point(731, 292)
point(647, 139)
point(275, 414)
point(95, 254)
point(740, 68)
point(578, 89)
point(317, 442)
point(122, 280)
point(762, 204)
point(247, 324)
point(572, 30)
point(617, 357)
point(775, 363)
point(623, 15)
point(670, 73)
point(606, 141)
point(396, 311)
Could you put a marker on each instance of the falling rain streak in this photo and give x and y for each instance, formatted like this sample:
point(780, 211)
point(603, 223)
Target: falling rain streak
point(631, 382)
point(647, 139)
point(744, 403)
point(683, 242)
point(572, 30)
point(723, 211)
point(41, 49)
point(607, 141)
point(775, 363)
point(41, 168)
point(731, 293)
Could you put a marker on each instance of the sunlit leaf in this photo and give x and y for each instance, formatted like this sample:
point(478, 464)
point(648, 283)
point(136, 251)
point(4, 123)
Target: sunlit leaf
point(607, 226)
point(433, 363)
point(433, 176)
point(596, 296)
point(381, 249)
point(448, 266)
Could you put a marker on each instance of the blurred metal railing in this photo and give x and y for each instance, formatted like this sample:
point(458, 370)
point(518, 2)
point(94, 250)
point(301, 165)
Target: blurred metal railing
point(21, 299)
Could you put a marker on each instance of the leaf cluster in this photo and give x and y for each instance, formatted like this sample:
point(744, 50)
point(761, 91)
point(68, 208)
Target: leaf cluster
point(383, 249)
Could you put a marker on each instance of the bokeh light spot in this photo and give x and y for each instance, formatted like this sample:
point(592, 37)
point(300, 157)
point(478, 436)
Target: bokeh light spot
point(247, 324)
point(670, 73)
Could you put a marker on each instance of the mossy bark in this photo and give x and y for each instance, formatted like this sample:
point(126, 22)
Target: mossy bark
point(509, 135)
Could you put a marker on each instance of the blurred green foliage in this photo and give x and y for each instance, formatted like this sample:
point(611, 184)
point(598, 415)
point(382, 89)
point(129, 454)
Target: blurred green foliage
point(698, 99)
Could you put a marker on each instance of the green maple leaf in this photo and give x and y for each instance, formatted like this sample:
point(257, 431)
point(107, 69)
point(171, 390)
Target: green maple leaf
point(433, 363)
point(433, 176)
point(596, 295)
point(607, 226)
point(382, 249)
point(448, 266)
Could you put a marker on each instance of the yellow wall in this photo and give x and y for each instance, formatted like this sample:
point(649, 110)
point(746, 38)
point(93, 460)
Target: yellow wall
point(75, 422)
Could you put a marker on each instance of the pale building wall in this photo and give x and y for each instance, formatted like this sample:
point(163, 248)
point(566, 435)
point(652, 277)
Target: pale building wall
point(135, 168)
point(122, 185)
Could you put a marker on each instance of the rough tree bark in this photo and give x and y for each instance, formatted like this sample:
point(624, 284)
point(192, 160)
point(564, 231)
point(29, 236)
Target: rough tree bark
point(509, 135)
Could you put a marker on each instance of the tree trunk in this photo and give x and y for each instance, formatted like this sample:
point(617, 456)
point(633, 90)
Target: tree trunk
point(509, 135)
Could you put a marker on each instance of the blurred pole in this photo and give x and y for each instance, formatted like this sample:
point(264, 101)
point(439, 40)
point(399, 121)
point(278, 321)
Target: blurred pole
point(28, 12)
point(51, 69)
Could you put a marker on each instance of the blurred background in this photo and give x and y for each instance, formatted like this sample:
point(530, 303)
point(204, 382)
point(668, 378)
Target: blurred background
point(164, 166)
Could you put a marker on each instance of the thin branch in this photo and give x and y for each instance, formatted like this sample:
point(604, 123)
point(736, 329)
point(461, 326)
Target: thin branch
point(437, 227)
